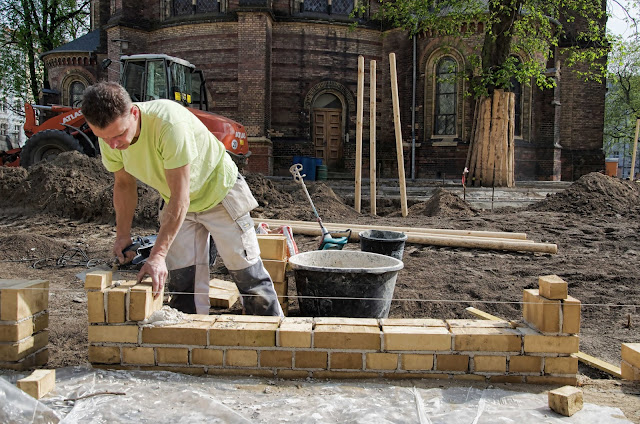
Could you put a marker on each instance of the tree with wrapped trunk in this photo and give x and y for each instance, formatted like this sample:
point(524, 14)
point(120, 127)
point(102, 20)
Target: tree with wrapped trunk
point(534, 29)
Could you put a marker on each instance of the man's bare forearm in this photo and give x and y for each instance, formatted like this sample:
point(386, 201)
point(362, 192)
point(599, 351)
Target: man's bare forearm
point(125, 200)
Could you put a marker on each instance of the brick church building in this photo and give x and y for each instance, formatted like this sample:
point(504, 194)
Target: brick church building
point(287, 70)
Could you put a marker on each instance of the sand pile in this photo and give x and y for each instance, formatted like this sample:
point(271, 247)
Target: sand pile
point(594, 194)
point(442, 203)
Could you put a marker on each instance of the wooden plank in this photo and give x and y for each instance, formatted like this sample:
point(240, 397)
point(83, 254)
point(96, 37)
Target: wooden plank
point(398, 132)
point(482, 314)
point(359, 115)
point(372, 137)
point(599, 364)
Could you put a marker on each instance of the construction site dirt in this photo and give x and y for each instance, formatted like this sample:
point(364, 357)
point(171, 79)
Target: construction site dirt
point(57, 216)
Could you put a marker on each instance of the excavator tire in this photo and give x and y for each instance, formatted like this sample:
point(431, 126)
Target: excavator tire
point(46, 145)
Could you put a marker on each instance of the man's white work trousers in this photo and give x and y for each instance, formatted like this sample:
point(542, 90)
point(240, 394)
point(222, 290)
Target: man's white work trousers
point(233, 232)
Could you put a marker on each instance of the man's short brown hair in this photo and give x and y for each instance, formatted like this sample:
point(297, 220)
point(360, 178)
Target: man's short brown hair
point(104, 102)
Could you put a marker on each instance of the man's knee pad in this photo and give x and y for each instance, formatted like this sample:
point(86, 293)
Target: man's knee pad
point(255, 286)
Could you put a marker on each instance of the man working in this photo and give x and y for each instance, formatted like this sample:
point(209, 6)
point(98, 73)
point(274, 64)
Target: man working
point(166, 147)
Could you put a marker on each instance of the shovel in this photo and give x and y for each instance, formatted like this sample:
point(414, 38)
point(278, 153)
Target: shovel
point(327, 242)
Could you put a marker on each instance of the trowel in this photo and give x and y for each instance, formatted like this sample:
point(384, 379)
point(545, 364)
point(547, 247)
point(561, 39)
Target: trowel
point(141, 246)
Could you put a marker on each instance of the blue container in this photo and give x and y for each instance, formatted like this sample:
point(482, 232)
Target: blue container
point(318, 161)
point(309, 168)
point(296, 159)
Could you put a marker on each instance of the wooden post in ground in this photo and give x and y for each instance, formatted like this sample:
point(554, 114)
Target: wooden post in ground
point(372, 136)
point(396, 121)
point(359, 108)
point(633, 152)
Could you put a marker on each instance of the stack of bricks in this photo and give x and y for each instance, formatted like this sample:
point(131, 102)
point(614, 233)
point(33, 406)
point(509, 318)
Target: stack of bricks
point(116, 308)
point(494, 351)
point(273, 251)
point(630, 365)
point(24, 319)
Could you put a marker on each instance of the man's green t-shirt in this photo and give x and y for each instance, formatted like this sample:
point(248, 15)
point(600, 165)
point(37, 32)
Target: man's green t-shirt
point(171, 137)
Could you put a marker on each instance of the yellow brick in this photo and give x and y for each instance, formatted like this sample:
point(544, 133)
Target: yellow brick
point(172, 355)
point(630, 352)
point(223, 284)
point(469, 377)
point(249, 318)
point(281, 288)
point(343, 360)
point(116, 305)
point(23, 299)
point(292, 374)
point(206, 357)
point(311, 359)
point(525, 364)
point(40, 322)
point(243, 334)
point(138, 355)
point(381, 361)
point(538, 343)
point(241, 358)
point(452, 362)
point(141, 302)
point(629, 372)
point(104, 354)
point(477, 323)
point(366, 322)
point(417, 362)
point(490, 363)
point(486, 339)
point(294, 334)
point(346, 337)
point(98, 280)
point(275, 268)
point(344, 374)
point(13, 331)
point(95, 306)
point(511, 379)
point(39, 383)
point(416, 338)
point(544, 314)
point(219, 298)
point(413, 322)
point(548, 379)
point(265, 372)
point(16, 351)
point(426, 376)
point(272, 246)
point(175, 369)
point(184, 333)
point(276, 358)
point(113, 334)
point(553, 287)
point(561, 365)
point(566, 400)
point(571, 315)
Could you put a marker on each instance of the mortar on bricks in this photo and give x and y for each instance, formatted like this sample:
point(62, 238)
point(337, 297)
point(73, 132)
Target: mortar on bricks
point(343, 283)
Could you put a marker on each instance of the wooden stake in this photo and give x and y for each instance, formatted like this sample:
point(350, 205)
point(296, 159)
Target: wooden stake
point(396, 121)
point(633, 154)
point(372, 136)
point(360, 94)
point(511, 180)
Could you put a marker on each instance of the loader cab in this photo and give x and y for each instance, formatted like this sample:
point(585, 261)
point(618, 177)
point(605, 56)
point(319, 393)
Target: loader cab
point(158, 76)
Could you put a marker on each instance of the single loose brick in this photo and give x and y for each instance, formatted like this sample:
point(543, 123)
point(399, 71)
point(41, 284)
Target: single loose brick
point(490, 363)
point(248, 334)
point(553, 287)
point(184, 333)
point(417, 362)
point(172, 355)
point(486, 339)
point(311, 359)
point(381, 361)
point(241, 358)
point(346, 337)
point(104, 354)
point(452, 362)
point(416, 338)
point(525, 364)
point(566, 400)
point(276, 358)
point(138, 355)
point(39, 383)
point(344, 360)
point(630, 352)
point(571, 315)
point(561, 365)
point(113, 334)
point(207, 357)
point(98, 280)
point(23, 299)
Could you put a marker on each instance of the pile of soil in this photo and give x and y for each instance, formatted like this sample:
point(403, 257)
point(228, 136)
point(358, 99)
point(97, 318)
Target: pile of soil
point(30, 246)
point(594, 194)
point(442, 203)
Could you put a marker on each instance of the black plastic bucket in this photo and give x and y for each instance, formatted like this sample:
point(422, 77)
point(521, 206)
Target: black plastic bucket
point(390, 243)
point(339, 283)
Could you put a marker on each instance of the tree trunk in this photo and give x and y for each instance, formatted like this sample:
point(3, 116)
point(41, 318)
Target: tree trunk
point(491, 160)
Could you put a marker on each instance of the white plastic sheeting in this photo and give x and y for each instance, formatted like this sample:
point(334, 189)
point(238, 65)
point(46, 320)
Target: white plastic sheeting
point(159, 397)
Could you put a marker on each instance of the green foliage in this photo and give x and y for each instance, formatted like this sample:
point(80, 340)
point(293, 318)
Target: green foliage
point(534, 30)
point(30, 28)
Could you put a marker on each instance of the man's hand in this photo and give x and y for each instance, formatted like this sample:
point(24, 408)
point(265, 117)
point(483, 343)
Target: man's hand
point(120, 244)
point(156, 268)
